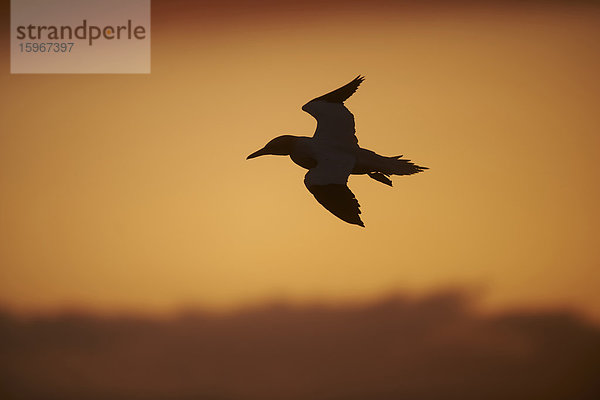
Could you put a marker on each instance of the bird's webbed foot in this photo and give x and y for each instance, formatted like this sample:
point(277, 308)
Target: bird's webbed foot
point(379, 177)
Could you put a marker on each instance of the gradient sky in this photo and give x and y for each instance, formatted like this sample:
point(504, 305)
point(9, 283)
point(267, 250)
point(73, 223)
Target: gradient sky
point(133, 192)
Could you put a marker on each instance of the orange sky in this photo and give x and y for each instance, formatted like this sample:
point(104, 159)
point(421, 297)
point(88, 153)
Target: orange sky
point(133, 191)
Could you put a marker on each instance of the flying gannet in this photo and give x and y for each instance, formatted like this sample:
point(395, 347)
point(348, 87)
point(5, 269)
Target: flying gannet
point(333, 153)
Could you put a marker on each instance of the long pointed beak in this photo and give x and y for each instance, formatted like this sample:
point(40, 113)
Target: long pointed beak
point(260, 152)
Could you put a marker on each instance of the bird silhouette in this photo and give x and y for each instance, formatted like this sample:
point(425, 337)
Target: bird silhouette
point(333, 154)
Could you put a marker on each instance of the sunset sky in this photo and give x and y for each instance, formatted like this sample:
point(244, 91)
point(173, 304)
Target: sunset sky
point(132, 192)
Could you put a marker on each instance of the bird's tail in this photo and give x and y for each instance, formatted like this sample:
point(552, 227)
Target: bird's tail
point(398, 166)
point(369, 161)
point(381, 168)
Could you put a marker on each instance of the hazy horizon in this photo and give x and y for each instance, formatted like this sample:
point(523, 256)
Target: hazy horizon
point(425, 348)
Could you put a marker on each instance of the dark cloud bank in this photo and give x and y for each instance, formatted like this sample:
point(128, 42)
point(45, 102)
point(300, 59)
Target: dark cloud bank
point(432, 348)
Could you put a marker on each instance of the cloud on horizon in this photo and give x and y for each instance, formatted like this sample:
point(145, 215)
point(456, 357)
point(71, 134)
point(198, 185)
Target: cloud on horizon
point(435, 347)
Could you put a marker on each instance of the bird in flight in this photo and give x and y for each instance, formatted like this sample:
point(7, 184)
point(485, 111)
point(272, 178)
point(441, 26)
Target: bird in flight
point(333, 154)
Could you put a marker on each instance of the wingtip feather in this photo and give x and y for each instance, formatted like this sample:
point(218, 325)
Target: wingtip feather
point(343, 93)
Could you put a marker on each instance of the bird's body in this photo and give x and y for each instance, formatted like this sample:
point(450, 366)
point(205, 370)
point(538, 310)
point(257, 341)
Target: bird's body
point(333, 154)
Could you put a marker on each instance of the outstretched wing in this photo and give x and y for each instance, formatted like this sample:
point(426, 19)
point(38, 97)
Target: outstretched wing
point(328, 183)
point(335, 123)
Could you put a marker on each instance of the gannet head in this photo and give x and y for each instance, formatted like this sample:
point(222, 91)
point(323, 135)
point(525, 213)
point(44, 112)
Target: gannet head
point(280, 146)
